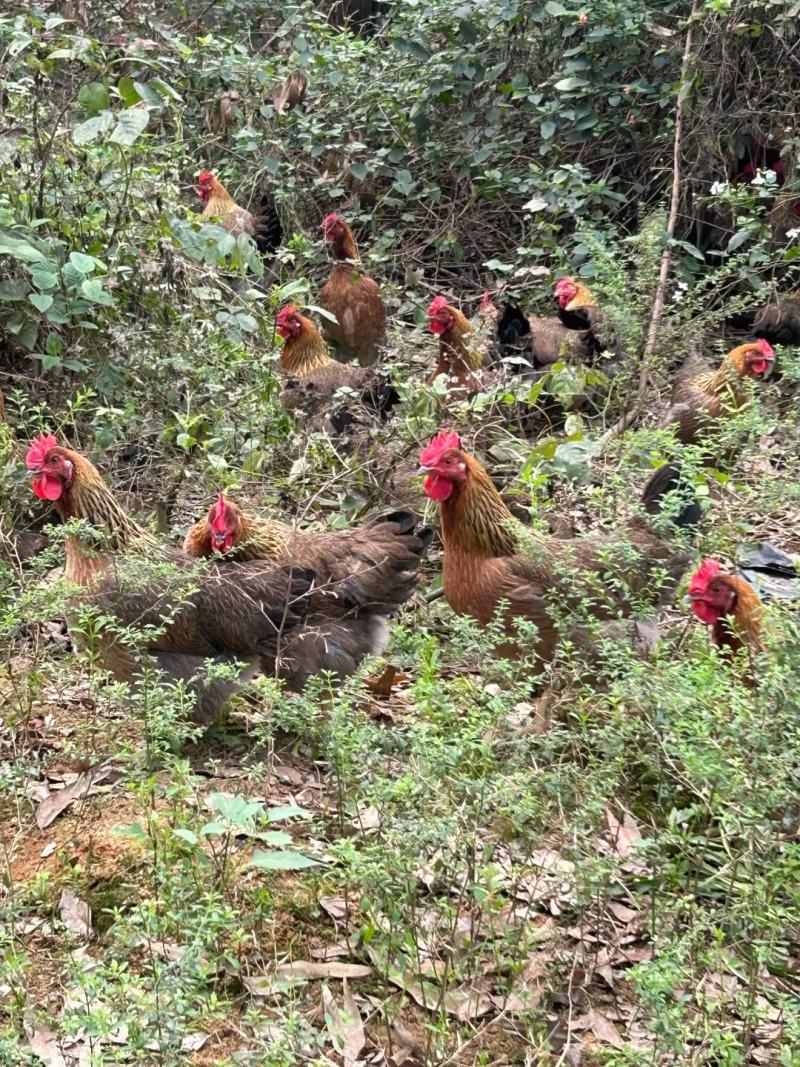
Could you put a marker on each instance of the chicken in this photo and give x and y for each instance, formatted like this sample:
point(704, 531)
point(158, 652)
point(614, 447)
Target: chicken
point(701, 396)
point(458, 358)
point(540, 340)
point(191, 617)
point(729, 605)
point(779, 323)
point(316, 376)
point(490, 556)
point(360, 328)
point(264, 226)
point(364, 576)
point(578, 310)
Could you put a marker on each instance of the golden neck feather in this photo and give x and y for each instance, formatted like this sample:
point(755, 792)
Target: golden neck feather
point(345, 247)
point(454, 348)
point(304, 352)
point(475, 520)
point(583, 298)
point(89, 498)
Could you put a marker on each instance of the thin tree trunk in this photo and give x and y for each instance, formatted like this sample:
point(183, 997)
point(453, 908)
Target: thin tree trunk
point(666, 258)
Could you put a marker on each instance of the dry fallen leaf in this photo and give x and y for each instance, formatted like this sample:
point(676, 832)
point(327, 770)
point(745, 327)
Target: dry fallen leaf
point(75, 914)
point(624, 835)
point(336, 907)
point(44, 1044)
point(52, 806)
point(604, 1030)
point(382, 684)
point(344, 1024)
point(291, 94)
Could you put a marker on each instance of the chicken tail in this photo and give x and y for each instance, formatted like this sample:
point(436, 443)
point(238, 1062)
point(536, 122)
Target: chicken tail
point(670, 494)
point(380, 394)
point(268, 232)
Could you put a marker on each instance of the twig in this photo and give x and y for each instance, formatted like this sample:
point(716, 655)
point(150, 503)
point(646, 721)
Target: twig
point(666, 257)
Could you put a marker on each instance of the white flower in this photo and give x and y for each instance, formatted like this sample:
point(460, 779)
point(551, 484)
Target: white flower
point(718, 187)
point(759, 179)
point(792, 234)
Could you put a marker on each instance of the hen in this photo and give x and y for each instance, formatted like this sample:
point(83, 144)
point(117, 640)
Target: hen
point(729, 605)
point(459, 358)
point(578, 310)
point(264, 225)
point(354, 298)
point(315, 377)
point(700, 395)
point(189, 617)
point(364, 576)
point(542, 341)
point(490, 556)
point(779, 323)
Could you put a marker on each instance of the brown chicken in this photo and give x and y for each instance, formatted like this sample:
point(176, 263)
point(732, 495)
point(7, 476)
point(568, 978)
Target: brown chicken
point(360, 328)
point(700, 395)
point(490, 556)
point(264, 225)
point(315, 377)
point(364, 575)
point(459, 358)
point(578, 310)
point(540, 340)
point(206, 616)
point(729, 605)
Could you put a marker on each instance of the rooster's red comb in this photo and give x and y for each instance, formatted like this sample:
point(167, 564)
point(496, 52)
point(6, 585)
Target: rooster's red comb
point(218, 513)
point(564, 284)
point(705, 573)
point(286, 313)
point(329, 222)
point(205, 176)
point(437, 304)
point(38, 449)
point(766, 348)
point(442, 442)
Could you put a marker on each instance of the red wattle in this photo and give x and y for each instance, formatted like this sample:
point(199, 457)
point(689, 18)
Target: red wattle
point(437, 488)
point(760, 366)
point(47, 488)
point(706, 613)
point(437, 328)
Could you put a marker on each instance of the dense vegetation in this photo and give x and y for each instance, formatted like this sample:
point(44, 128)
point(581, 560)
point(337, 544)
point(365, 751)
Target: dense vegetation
point(445, 863)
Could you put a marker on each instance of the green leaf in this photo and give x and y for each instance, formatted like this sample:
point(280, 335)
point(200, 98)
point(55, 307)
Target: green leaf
point(275, 837)
point(552, 7)
point(93, 97)
point(54, 345)
point(44, 279)
point(286, 811)
point(93, 290)
point(81, 262)
point(403, 182)
point(11, 246)
point(359, 171)
point(282, 861)
point(565, 84)
point(127, 92)
point(91, 129)
point(547, 129)
point(130, 125)
point(214, 828)
point(41, 301)
point(738, 240)
point(186, 835)
point(151, 96)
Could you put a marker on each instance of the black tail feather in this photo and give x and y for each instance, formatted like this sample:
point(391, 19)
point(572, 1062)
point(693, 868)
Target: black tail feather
point(669, 479)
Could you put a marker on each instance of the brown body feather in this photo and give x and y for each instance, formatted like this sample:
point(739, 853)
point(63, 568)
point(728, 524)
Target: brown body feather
point(489, 556)
point(354, 298)
point(700, 395)
point(584, 314)
point(458, 358)
point(742, 628)
point(314, 378)
point(213, 615)
point(364, 575)
point(779, 323)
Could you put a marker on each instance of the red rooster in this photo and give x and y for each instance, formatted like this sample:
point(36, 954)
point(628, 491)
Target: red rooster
point(354, 298)
point(364, 575)
point(191, 618)
point(218, 205)
point(490, 556)
point(729, 605)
